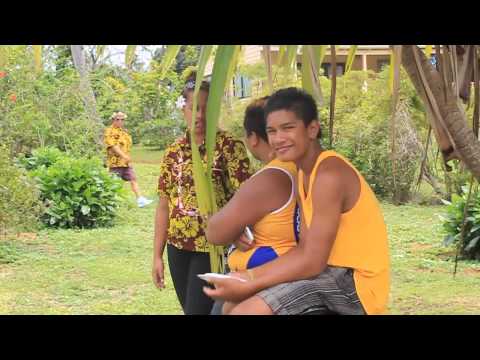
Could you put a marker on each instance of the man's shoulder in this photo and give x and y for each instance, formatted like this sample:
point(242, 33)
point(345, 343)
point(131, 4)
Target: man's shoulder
point(333, 173)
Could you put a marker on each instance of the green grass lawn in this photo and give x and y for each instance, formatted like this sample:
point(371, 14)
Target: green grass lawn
point(107, 271)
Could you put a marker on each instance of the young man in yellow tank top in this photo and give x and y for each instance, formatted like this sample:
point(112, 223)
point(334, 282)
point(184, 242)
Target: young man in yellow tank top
point(270, 214)
point(341, 263)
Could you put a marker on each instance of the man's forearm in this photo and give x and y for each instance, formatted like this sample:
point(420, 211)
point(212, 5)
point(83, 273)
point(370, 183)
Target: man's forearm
point(117, 151)
point(294, 265)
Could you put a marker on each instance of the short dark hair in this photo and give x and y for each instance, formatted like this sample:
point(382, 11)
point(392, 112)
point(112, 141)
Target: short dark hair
point(295, 100)
point(190, 84)
point(254, 120)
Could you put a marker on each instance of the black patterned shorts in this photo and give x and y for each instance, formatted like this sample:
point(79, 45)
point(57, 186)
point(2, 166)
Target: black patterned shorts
point(331, 292)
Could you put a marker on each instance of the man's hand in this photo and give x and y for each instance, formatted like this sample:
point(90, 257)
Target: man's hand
point(127, 159)
point(158, 273)
point(231, 289)
point(243, 244)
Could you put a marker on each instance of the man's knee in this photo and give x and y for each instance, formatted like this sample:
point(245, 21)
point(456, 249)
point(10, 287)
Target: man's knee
point(253, 306)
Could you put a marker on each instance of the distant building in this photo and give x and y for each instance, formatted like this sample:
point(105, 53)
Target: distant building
point(367, 57)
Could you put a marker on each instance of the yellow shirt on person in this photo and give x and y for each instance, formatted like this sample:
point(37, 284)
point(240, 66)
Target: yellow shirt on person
point(275, 233)
point(119, 137)
point(361, 241)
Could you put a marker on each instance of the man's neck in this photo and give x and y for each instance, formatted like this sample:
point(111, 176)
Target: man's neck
point(307, 162)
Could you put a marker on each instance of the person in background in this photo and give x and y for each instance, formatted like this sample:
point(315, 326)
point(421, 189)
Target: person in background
point(179, 226)
point(118, 143)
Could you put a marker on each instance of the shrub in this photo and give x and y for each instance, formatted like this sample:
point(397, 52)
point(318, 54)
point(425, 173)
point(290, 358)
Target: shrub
point(78, 193)
point(470, 248)
point(46, 157)
point(161, 133)
point(19, 197)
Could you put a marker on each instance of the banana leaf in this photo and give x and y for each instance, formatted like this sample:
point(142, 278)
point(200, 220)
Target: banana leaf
point(169, 58)
point(37, 55)
point(130, 55)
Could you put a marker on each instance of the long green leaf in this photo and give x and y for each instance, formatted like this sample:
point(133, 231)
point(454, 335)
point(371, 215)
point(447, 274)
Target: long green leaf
point(350, 58)
point(37, 55)
point(291, 59)
point(267, 55)
point(199, 177)
point(333, 92)
point(3, 56)
point(169, 58)
point(282, 51)
point(223, 61)
point(321, 56)
point(310, 77)
point(130, 55)
point(391, 72)
point(233, 64)
point(100, 49)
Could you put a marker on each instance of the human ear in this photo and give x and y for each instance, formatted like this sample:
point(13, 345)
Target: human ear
point(313, 129)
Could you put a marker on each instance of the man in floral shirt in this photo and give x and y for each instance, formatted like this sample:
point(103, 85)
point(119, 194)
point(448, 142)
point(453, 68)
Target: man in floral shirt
point(118, 144)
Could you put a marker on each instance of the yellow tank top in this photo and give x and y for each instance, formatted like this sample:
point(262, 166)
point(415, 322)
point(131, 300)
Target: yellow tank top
point(361, 242)
point(274, 234)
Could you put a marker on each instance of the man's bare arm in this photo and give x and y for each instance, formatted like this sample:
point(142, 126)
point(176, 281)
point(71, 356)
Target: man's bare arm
point(119, 152)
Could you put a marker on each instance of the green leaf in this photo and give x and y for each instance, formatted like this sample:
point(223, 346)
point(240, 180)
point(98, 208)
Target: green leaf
point(37, 55)
point(169, 58)
point(223, 60)
point(267, 55)
point(130, 55)
point(233, 65)
point(310, 76)
point(290, 64)
point(350, 58)
point(282, 50)
point(100, 49)
point(472, 243)
point(199, 176)
point(85, 209)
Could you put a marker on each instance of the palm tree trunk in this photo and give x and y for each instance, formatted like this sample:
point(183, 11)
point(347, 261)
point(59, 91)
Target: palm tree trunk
point(86, 91)
point(446, 113)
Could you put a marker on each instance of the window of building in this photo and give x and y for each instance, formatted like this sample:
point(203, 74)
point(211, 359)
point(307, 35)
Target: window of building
point(242, 86)
point(382, 63)
point(327, 69)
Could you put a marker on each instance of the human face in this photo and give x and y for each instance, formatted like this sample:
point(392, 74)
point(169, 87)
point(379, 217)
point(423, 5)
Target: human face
point(118, 122)
point(200, 124)
point(288, 136)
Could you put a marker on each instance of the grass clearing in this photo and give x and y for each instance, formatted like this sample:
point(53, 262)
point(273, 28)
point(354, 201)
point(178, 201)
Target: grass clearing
point(107, 271)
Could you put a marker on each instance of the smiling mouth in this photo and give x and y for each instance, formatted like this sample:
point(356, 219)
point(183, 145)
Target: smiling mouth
point(283, 149)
